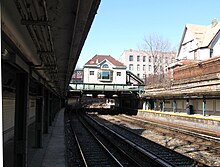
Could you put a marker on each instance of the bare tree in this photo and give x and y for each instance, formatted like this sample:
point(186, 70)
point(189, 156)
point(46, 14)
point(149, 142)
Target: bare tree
point(160, 52)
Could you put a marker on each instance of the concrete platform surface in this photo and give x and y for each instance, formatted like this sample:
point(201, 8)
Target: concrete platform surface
point(195, 120)
point(55, 151)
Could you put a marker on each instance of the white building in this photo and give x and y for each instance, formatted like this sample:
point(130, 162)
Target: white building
point(104, 69)
point(142, 63)
point(200, 42)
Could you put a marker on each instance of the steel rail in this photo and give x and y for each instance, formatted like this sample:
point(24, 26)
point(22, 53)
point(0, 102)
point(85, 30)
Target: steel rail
point(105, 148)
point(137, 147)
point(78, 145)
point(180, 130)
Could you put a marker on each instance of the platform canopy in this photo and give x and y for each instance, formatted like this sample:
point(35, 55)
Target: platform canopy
point(45, 37)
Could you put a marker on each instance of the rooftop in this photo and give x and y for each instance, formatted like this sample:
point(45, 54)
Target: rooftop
point(100, 58)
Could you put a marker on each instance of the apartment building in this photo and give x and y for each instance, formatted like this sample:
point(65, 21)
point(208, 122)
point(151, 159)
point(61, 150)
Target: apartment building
point(143, 63)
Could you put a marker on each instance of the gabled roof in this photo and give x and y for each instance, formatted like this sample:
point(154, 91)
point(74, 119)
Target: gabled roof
point(100, 58)
point(204, 34)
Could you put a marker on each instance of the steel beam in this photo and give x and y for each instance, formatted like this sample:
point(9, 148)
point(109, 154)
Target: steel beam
point(21, 120)
point(35, 22)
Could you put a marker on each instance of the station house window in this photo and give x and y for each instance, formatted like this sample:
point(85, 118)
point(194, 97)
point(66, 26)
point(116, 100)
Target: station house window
point(105, 66)
point(118, 73)
point(105, 75)
point(91, 72)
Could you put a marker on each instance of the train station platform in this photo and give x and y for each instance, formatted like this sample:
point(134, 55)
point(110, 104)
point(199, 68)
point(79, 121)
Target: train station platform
point(52, 152)
point(55, 152)
point(211, 122)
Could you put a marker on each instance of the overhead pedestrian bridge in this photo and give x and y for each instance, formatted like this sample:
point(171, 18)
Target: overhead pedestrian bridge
point(108, 89)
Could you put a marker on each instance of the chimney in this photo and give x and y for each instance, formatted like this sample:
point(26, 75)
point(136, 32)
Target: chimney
point(214, 22)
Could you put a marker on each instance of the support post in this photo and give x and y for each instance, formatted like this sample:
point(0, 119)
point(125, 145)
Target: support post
point(204, 106)
point(174, 105)
point(155, 104)
point(144, 105)
point(38, 126)
point(39, 118)
point(163, 105)
point(46, 112)
point(50, 108)
point(148, 105)
point(21, 120)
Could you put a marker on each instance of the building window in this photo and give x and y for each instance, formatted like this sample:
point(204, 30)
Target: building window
point(138, 75)
point(131, 58)
point(149, 59)
point(105, 66)
point(105, 75)
point(138, 67)
point(138, 58)
point(91, 72)
point(118, 73)
point(149, 68)
point(211, 53)
point(144, 67)
point(131, 67)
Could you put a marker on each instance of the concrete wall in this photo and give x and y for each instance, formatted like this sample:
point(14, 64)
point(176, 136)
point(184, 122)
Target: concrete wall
point(199, 122)
point(8, 114)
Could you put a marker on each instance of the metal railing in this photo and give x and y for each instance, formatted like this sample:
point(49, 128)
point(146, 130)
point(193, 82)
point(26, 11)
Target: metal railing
point(104, 87)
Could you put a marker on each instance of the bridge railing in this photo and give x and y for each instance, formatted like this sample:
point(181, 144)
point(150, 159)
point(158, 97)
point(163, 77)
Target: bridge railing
point(104, 87)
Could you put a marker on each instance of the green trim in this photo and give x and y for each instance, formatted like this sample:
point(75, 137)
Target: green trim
point(119, 67)
point(90, 66)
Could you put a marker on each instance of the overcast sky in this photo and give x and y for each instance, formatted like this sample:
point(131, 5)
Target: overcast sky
point(122, 24)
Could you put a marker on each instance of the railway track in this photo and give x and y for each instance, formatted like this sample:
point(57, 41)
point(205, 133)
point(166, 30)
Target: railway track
point(158, 151)
point(206, 135)
point(88, 148)
point(92, 142)
point(202, 147)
